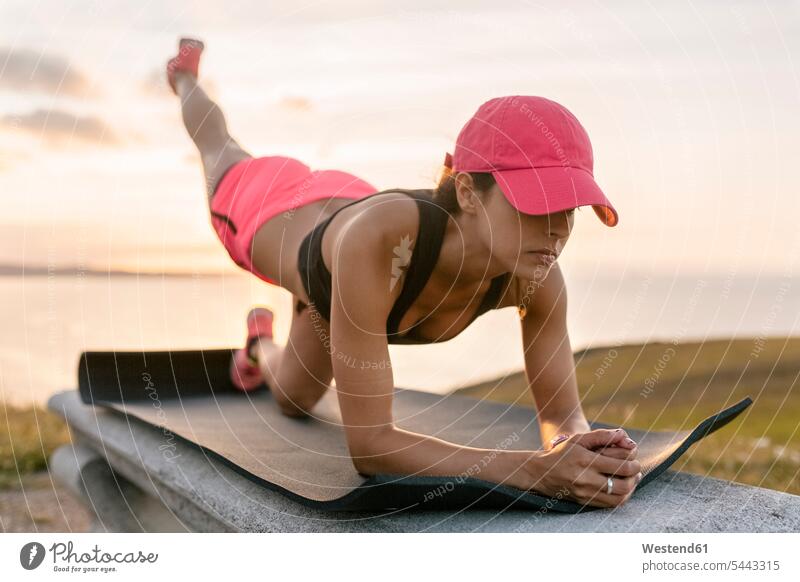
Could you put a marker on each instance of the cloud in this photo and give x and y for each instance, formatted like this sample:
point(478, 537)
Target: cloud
point(9, 158)
point(56, 125)
point(295, 103)
point(155, 83)
point(31, 71)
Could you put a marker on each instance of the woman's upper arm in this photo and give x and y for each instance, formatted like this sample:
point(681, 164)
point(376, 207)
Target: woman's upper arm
point(546, 308)
point(361, 299)
point(549, 362)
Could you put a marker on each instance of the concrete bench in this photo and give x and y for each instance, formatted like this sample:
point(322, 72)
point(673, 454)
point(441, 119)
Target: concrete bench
point(117, 467)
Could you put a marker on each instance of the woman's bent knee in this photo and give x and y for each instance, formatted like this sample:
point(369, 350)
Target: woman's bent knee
point(295, 407)
point(293, 412)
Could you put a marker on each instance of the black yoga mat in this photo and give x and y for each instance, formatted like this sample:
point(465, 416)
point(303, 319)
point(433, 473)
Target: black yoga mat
point(189, 394)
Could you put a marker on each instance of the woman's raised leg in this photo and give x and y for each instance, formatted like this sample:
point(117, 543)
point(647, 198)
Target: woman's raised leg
point(202, 117)
point(299, 374)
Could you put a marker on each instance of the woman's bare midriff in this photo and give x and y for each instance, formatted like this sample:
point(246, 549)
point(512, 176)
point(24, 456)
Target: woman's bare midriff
point(276, 243)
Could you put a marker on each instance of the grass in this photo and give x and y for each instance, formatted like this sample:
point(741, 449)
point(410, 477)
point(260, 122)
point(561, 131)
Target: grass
point(28, 436)
point(653, 386)
point(667, 386)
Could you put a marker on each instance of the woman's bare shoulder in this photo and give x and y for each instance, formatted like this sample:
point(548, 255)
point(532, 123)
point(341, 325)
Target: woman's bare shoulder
point(369, 238)
point(363, 252)
point(379, 223)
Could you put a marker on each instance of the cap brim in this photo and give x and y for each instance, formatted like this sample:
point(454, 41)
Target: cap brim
point(552, 189)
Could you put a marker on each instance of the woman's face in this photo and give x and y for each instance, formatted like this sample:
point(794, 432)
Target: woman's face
point(521, 243)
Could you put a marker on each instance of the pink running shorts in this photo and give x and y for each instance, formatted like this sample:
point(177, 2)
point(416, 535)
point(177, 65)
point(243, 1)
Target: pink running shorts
point(254, 190)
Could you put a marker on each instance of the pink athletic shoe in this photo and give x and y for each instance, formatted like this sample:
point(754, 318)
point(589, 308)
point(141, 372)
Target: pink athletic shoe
point(187, 59)
point(245, 373)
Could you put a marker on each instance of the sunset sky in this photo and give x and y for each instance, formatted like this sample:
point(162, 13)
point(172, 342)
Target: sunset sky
point(692, 108)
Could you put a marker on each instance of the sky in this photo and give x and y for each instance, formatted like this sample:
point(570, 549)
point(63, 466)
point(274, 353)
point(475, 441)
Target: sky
point(692, 109)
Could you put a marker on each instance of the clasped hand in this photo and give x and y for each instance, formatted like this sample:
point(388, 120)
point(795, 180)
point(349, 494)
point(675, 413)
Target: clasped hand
point(585, 466)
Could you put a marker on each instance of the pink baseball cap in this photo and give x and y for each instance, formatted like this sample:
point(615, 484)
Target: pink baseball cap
point(538, 152)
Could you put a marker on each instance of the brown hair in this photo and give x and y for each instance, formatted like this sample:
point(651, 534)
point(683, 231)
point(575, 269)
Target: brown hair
point(445, 192)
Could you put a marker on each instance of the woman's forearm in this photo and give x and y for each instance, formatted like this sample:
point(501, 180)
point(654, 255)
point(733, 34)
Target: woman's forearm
point(398, 451)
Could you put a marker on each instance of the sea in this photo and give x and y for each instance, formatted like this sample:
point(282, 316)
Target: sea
point(49, 319)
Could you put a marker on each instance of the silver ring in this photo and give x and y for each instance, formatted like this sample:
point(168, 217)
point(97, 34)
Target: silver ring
point(609, 486)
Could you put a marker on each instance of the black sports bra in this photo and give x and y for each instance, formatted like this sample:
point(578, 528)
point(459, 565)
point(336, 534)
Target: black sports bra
point(433, 219)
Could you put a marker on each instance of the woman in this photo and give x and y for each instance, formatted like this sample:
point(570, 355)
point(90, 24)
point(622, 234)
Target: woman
point(370, 268)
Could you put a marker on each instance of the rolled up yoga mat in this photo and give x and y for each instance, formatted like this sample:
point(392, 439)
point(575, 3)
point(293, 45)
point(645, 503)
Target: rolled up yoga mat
point(189, 394)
